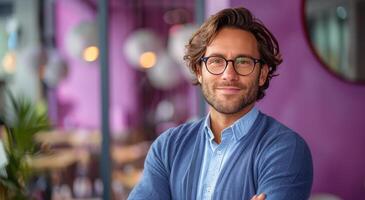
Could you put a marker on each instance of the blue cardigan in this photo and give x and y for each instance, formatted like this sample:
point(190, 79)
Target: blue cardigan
point(273, 160)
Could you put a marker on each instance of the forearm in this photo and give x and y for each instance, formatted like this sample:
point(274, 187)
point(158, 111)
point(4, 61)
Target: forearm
point(286, 171)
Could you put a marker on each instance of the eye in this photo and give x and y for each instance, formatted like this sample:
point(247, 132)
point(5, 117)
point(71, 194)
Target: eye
point(243, 61)
point(215, 60)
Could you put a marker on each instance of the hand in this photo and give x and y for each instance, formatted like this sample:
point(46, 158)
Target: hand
point(259, 197)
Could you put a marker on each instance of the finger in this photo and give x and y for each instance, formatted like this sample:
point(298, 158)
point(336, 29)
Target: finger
point(254, 197)
point(262, 196)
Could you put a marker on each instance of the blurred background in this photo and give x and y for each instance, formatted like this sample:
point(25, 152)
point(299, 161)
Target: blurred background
point(50, 83)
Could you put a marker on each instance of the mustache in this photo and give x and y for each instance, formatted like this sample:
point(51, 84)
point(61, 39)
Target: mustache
point(230, 84)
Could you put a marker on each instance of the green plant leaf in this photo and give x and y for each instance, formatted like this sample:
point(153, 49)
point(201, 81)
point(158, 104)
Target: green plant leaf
point(21, 123)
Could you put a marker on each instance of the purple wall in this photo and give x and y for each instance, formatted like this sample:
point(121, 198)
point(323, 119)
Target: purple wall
point(79, 95)
point(80, 91)
point(325, 110)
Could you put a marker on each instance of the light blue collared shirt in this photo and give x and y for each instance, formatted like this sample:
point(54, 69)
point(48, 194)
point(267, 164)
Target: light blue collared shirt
point(216, 155)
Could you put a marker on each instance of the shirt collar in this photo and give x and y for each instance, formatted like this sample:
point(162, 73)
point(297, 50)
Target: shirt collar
point(207, 129)
point(239, 128)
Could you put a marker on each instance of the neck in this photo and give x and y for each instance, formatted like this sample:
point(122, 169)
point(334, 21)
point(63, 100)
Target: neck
point(220, 121)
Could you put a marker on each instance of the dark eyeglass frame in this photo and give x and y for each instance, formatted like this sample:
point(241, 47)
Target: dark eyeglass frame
point(255, 61)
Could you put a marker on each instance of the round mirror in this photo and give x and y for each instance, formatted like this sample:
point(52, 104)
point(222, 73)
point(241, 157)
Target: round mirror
point(336, 32)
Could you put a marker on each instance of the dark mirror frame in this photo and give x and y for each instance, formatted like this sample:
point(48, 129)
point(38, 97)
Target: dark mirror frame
point(314, 51)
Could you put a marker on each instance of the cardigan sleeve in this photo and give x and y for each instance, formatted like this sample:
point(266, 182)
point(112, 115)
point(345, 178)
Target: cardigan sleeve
point(285, 169)
point(154, 184)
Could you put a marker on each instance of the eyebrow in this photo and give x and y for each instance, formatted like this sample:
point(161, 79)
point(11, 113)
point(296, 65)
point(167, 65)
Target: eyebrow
point(237, 56)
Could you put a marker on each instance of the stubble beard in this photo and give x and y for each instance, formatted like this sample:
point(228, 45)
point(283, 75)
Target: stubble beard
point(233, 104)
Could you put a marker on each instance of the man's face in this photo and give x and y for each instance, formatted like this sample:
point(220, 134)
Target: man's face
point(230, 93)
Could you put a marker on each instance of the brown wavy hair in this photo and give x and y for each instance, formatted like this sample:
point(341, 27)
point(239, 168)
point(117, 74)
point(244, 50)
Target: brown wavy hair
point(236, 18)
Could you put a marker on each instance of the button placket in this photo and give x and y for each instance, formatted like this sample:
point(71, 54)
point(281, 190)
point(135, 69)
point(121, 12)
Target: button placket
point(214, 167)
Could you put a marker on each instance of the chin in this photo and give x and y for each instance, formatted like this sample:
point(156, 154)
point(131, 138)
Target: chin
point(228, 109)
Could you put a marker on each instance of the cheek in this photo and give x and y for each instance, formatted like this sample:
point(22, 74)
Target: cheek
point(205, 77)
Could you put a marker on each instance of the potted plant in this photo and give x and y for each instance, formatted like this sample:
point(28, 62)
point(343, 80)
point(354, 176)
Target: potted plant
point(21, 122)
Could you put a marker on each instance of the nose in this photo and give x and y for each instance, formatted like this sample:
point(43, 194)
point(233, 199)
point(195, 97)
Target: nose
point(230, 73)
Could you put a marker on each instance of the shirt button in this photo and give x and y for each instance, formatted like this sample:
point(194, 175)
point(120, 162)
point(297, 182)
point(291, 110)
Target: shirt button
point(219, 152)
point(209, 189)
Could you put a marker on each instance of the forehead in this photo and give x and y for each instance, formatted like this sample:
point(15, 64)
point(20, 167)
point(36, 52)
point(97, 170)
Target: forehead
point(231, 42)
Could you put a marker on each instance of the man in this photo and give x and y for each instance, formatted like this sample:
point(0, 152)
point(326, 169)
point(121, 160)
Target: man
point(235, 152)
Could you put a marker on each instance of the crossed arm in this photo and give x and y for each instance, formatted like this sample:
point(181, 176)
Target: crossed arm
point(284, 172)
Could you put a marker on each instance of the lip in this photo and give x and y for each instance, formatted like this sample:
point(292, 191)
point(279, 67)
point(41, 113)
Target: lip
point(228, 90)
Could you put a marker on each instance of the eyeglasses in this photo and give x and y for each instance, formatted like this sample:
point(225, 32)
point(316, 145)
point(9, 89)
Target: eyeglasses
point(243, 65)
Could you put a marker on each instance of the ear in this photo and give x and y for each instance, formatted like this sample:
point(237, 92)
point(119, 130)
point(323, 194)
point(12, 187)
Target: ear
point(199, 73)
point(263, 74)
